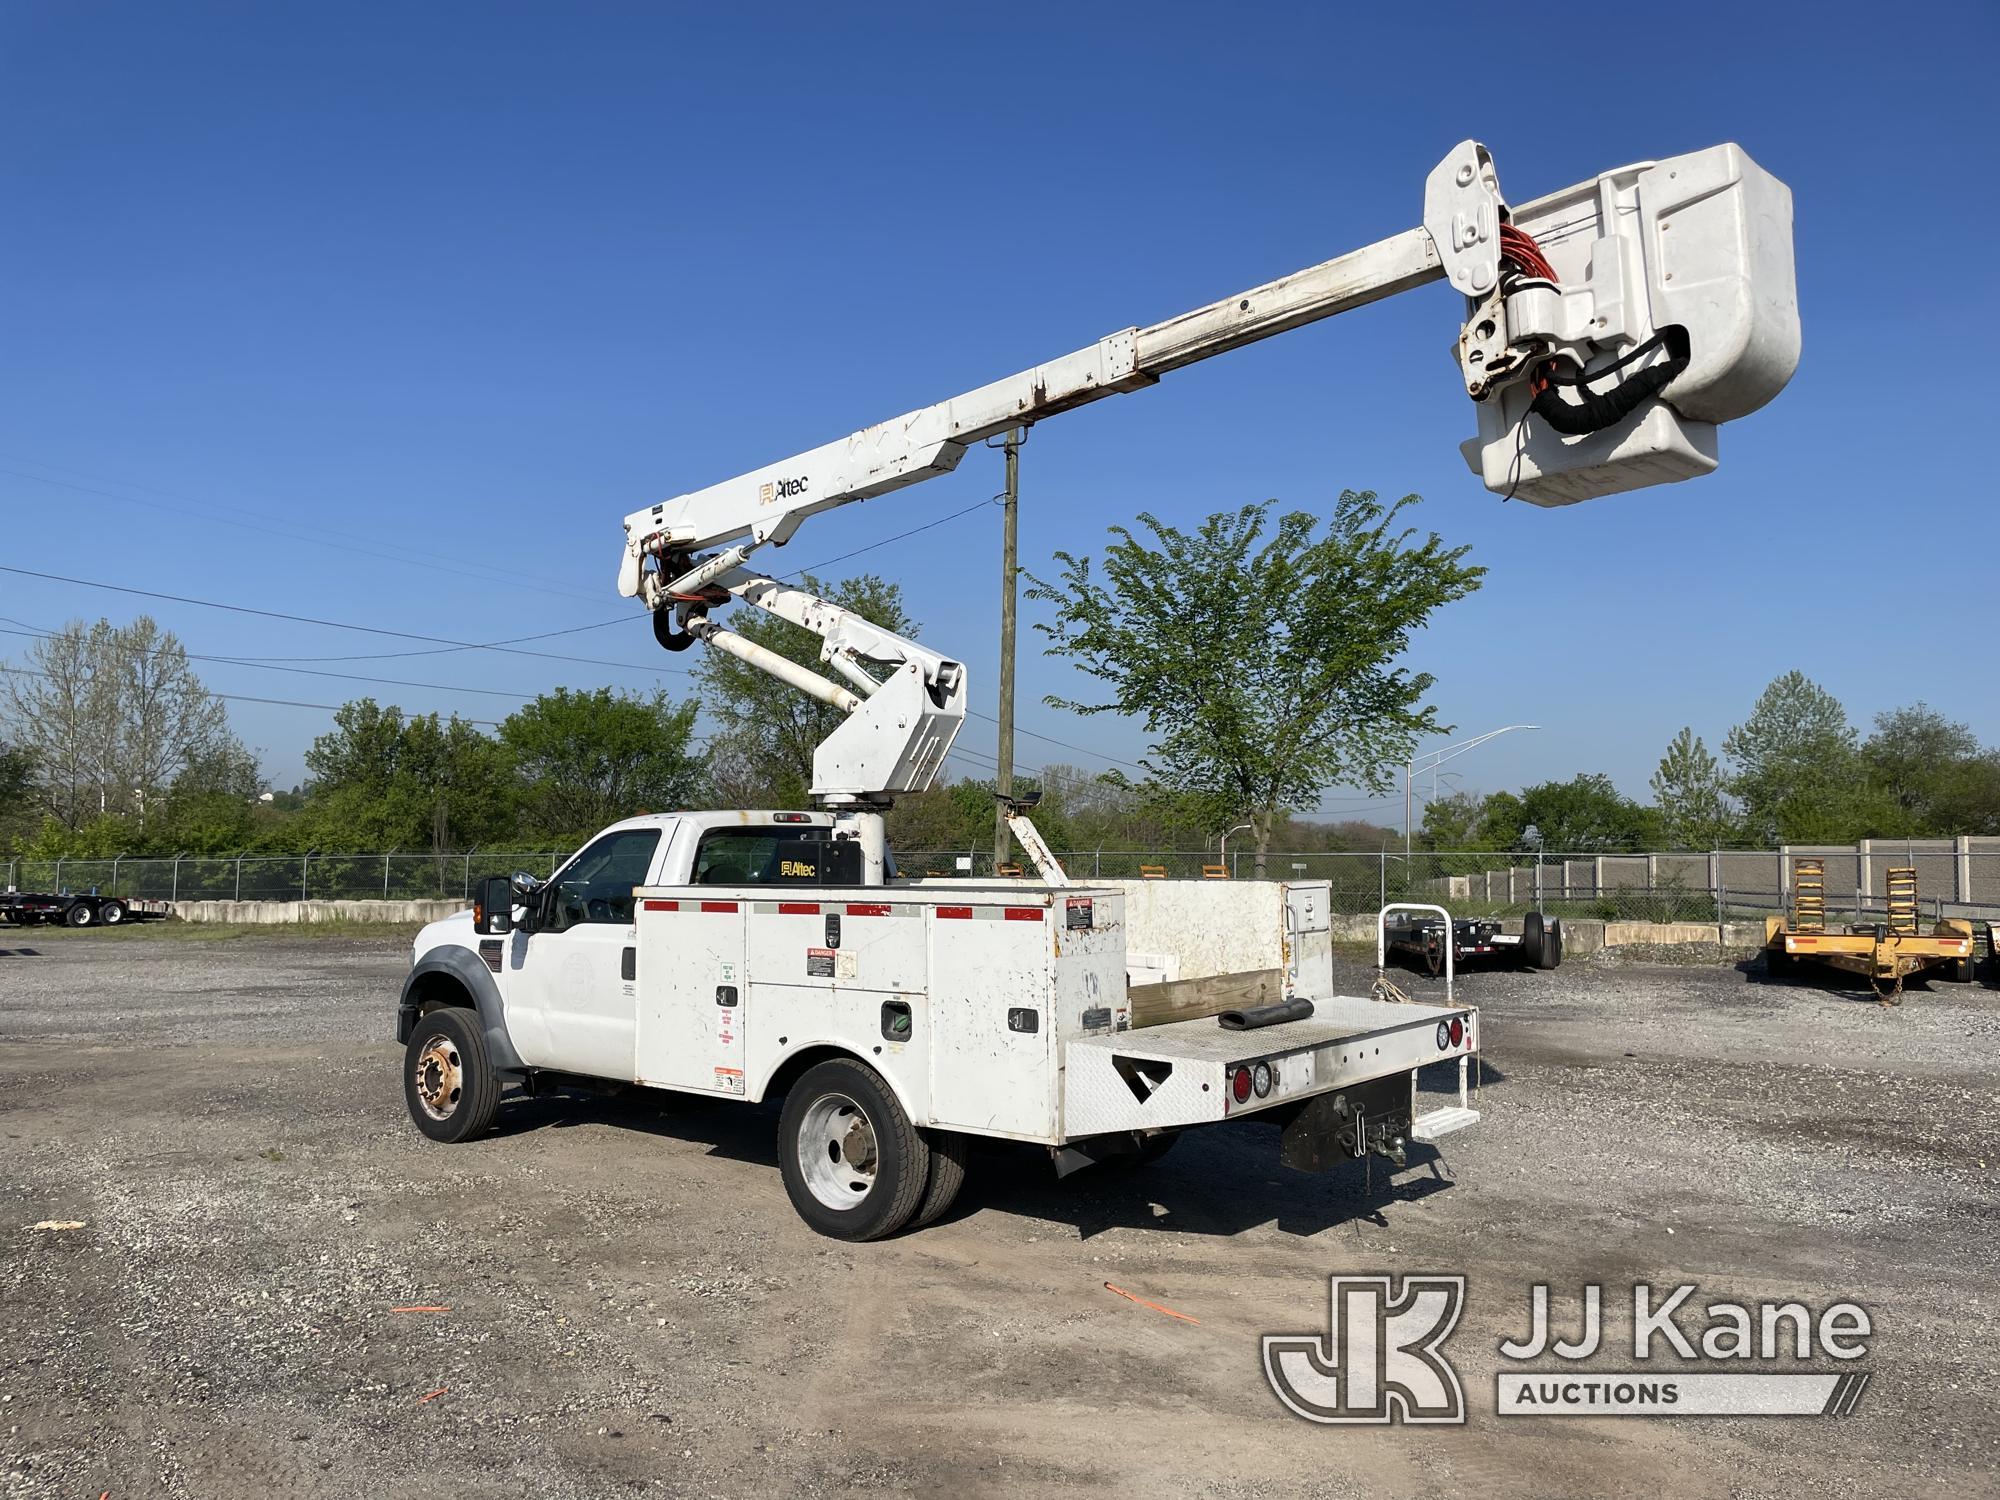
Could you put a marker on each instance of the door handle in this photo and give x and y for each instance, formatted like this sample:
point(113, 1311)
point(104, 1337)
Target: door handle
point(628, 964)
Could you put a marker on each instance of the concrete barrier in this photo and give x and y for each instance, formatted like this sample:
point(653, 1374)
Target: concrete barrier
point(271, 913)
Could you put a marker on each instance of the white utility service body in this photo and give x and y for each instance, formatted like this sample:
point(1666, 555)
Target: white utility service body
point(995, 1010)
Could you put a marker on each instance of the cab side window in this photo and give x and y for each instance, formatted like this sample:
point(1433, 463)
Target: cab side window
point(795, 855)
point(596, 886)
point(737, 856)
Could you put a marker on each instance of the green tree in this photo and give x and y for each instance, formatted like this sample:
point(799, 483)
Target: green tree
point(1264, 664)
point(17, 790)
point(585, 759)
point(1692, 797)
point(1454, 821)
point(112, 715)
point(1798, 768)
point(381, 781)
point(761, 753)
point(1582, 815)
point(1933, 768)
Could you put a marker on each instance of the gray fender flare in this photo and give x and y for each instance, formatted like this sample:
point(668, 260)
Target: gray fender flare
point(471, 975)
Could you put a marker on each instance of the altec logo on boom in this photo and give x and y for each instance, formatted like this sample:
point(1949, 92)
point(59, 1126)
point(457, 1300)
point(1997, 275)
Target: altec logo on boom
point(781, 489)
point(1381, 1358)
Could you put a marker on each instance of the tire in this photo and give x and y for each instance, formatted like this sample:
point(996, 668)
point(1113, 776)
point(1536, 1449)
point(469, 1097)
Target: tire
point(1434, 959)
point(448, 1080)
point(854, 1166)
point(949, 1151)
point(1957, 971)
point(79, 915)
point(1533, 941)
point(1552, 943)
point(111, 913)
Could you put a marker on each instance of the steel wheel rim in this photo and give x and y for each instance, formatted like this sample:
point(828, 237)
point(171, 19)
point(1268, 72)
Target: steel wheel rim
point(440, 1078)
point(838, 1152)
point(113, 914)
point(83, 916)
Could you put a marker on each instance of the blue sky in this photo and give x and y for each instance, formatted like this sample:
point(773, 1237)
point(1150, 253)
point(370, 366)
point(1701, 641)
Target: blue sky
point(389, 314)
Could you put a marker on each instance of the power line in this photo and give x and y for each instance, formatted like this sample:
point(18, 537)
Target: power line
point(405, 635)
point(442, 687)
point(899, 536)
point(241, 698)
point(291, 530)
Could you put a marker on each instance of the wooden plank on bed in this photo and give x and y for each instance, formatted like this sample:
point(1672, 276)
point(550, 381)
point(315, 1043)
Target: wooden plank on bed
point(1191, 999)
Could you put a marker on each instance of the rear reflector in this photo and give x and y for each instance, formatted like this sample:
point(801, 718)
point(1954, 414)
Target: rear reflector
point(718, 906)
point(1024, 914)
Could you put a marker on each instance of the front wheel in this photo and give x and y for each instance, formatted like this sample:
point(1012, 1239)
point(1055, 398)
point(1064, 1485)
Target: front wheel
point(448, 1080)
point(854, 1166)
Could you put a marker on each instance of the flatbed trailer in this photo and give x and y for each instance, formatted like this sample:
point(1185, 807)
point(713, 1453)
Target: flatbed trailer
point(1885, 953)
point(1420, 938)
point(78, 909)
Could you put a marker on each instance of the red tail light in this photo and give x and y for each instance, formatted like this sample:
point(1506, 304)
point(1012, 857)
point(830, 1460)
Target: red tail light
point(1239, 1085)
point(1457, 1031)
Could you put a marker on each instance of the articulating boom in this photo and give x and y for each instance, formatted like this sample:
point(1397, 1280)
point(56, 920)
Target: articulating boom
point(1610, 327)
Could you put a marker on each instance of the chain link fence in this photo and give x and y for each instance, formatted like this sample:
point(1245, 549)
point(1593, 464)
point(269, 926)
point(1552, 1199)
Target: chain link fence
point(278, 877)
point(1955, 878)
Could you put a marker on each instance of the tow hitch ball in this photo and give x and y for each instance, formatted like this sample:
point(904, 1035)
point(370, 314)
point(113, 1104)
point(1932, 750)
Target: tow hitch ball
point(1371, 1138)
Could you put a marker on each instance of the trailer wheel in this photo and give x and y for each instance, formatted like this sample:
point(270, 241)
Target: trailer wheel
point(1957, 970)
point(79, 914)
point(854, 1166)
point(949, 1151)
point(448, 1080)
point(1552, 943)
point(111, 913)
point(1531, 941)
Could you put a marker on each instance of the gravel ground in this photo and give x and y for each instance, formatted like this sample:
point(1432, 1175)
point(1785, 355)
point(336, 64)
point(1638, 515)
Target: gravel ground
point(635, 1309)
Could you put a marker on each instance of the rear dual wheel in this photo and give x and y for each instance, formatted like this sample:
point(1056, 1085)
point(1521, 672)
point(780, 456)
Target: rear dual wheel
point(854, 1165)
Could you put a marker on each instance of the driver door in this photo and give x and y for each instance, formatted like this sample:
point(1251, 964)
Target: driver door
point(572, 972)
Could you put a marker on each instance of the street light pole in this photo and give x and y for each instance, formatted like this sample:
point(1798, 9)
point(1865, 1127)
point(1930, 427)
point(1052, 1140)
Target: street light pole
point(1432, 761)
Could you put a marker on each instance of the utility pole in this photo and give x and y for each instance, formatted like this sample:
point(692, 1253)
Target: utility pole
point(1009, 553)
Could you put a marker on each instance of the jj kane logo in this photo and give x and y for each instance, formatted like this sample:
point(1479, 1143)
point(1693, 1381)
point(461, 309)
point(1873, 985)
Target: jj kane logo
point(1381, 1358)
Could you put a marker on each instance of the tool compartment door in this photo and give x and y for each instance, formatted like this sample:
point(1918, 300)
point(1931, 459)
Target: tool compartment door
point(693, 1017)
point(1309, 939)
point(992, 1030)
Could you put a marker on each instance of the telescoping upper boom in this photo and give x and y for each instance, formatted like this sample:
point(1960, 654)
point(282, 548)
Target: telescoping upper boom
point(1609, 329)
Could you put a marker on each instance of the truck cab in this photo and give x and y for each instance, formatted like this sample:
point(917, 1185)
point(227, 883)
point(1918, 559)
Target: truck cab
point(557, 992)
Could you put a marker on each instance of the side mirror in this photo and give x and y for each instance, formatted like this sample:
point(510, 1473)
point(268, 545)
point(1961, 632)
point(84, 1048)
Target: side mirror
point(525, 885)
point(493, 906)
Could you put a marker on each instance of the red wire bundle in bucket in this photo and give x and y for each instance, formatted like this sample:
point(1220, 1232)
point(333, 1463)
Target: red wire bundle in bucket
point(1519, 246)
